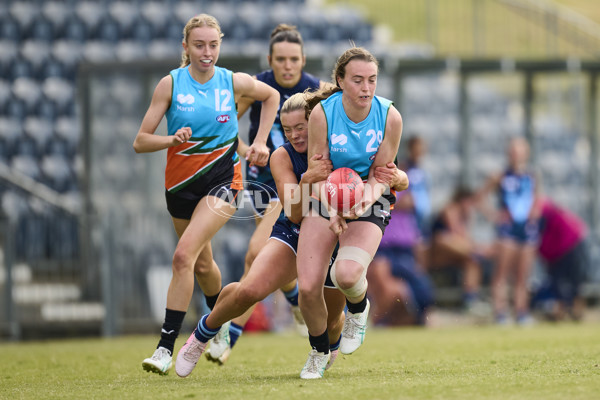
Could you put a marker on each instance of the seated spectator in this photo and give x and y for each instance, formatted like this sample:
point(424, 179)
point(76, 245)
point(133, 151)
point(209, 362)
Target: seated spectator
point(452, 246)
point(399, 290)
point(563, 249)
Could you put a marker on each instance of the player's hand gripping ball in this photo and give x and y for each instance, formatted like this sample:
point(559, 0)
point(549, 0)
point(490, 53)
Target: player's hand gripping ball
point(344, 189)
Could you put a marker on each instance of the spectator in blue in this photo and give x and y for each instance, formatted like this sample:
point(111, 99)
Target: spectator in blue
point(517, 227)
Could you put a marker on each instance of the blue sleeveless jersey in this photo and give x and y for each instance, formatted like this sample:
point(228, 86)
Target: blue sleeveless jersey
point(354, 145)
point(516, 193)
point(209, 110)
point(276, 137)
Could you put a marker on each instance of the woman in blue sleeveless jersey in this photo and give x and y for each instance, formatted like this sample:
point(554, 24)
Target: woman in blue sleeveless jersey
point(353, 128)
point(286, 59)
point(517, 229)
point(199, 101)
point(275, 264)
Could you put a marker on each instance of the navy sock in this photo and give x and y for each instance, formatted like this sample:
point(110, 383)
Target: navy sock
point(203, 333)
point(212, 300)
point(235, 331)
point(320, 343)
point(170, 329)
point(336, 345)
point(292, 295)
point(358, 307)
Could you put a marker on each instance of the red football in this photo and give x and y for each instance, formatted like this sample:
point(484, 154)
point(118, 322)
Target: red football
point(344, 189)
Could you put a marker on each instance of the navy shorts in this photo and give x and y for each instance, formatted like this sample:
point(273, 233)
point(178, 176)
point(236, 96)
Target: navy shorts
point(378, 214)
point(225, 184)
point(261, 195)
point(521, 232)
point(287, 233)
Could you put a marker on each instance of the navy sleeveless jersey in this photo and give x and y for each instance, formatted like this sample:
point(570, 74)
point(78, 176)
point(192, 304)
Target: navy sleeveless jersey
point(276, 137)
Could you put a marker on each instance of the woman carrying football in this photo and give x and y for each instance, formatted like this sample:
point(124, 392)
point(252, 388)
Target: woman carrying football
point(356, 129)
point(275, 264)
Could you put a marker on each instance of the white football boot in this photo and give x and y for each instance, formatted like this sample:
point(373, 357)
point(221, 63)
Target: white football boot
point(353, 334)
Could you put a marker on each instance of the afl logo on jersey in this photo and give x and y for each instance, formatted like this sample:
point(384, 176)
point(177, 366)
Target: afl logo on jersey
point(223, 118)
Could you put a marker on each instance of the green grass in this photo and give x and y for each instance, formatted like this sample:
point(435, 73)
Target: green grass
point(542, 362)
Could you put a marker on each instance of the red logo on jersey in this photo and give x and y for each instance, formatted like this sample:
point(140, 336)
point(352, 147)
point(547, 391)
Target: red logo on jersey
point(223, 118)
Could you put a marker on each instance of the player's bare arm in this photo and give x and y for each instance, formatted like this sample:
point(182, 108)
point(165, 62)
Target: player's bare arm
point(146, 141)
point(246, 86)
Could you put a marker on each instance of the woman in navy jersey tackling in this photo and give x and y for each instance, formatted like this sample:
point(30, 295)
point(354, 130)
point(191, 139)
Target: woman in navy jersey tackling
point(275, 264)
point(199, 102)
point(286, 59)
point(356, 129)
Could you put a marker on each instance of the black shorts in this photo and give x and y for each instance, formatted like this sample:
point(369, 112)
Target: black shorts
point(378, 214)
point(224, 183)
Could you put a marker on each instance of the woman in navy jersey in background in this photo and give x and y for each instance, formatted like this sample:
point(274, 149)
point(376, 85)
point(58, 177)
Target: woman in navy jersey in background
point(199, 102)
point(518, 231)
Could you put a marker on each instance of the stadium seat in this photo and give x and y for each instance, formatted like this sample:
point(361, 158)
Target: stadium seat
point(60, 92)
point(127, 15)
point(108, 31)
point(183, 11)
point(9, 29)
point(13, 204)
point(97, 51)
point(8, 54)
point(56, 172)
point(68, 53)
point(26, 165)
point(37, 54)
point(38, 129)
point(162, 49)
point(24, 12)
point(75, 30)
point(20, 68)
point(159, 14)
point(57, 12)
point(91, 13)
point(42, 30)
point(131, 50)
point(28, 91)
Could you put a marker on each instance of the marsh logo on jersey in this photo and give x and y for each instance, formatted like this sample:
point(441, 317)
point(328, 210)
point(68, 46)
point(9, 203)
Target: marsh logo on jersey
point(339, 139)
point(185, 99)
point(223, 118)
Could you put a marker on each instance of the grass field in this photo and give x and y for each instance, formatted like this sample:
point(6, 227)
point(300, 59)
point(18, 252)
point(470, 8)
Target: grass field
point(541, 362)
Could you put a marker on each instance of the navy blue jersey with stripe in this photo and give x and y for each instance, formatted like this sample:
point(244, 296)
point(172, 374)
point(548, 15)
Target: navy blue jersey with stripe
point(276, 136)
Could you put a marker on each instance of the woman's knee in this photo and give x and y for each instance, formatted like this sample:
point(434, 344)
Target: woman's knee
point(248, 295)
point(348, 274)
point(182, 261)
